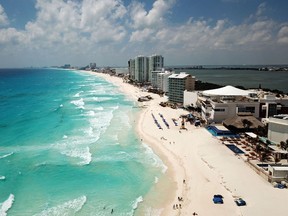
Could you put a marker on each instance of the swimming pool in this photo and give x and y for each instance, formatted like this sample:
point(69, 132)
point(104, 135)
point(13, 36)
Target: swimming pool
point(235, 149)
point(217, 132)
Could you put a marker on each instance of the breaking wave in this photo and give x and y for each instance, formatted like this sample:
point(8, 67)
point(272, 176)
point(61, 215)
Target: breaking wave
point(6, 155)
point(6, 205)
point(79, 103)
point(66, 209)
point(136, 202)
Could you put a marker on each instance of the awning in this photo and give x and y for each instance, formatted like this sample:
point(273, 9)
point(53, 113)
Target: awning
point(253, 135)
point(227, 91)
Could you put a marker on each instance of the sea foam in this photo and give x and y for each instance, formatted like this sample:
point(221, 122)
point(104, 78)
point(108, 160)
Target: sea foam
point(6, 155)
point(154, 159)
point(6, 205)
point(79, 103)
point(66, 209)
point(81, 153)
point(78, 94)
point(136, 202)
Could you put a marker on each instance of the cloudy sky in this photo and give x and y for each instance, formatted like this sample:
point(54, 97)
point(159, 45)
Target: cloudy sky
point(109, 32)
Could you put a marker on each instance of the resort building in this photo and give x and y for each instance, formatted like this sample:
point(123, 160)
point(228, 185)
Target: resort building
point(226, 102)
point(277, 173)
point(160, 80)
point(190, 98)
point(141, 67)
point(131, 68)
point(154, 77)
point(156, 63)
point(177, 84)
point(278, 128)
point(92, 65)
point(271, 105)
point(163, 81)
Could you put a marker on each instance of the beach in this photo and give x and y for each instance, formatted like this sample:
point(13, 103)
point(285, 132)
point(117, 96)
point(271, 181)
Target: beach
point(199, 165)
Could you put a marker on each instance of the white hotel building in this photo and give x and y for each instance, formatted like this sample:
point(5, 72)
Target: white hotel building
point(159, 80)
point(140, 68)
point(278, 128)
point(226, 102)
point(178, 83)
point(220, 104)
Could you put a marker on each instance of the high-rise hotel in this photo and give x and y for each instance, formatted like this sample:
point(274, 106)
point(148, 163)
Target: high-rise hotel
point(141, 67)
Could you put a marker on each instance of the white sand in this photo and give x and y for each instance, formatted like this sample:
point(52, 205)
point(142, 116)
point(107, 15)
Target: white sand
point(207, 166)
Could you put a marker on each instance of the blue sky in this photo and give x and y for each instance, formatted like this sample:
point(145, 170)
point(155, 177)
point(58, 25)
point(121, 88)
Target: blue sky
point(110, 32)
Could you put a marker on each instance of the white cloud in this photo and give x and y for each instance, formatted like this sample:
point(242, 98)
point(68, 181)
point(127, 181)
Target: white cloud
point(106, 29)
point(142, 35)
point(261, 9)
point(145, 23)
point(153, 18)
point(59, 21)
point(283, 35)
point(10, 35)
point(3, 17)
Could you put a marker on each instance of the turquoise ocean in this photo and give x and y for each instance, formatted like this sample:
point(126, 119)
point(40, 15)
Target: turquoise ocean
point(68, 146)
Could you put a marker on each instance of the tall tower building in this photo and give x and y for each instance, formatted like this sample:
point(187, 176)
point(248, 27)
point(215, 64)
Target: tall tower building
point(141, 69)
point(156, 63)
point(131, 68)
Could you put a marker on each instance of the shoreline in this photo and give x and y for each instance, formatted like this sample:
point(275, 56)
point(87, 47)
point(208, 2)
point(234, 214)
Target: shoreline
point(207, 166)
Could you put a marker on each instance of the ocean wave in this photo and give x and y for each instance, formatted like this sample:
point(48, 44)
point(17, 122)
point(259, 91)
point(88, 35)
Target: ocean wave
point(136, 202)
point(99, 108)
point(154, 159)
point(156, 180)
point(79, 103)
point(90, 113)
point(6, 205)
point(116, 157)
point(66, 209)
point(78, 94)
point(101, 99)
point(81, 153)
point(115, 107)
point(101, 120)
point(89, 131)
point(124, 119)
point(93, 111)
point(6, 155)
point(2, 177)
point(58, 108)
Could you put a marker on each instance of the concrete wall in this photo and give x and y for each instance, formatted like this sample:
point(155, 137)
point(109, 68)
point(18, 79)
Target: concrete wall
point(190, 98)
point(277, 130)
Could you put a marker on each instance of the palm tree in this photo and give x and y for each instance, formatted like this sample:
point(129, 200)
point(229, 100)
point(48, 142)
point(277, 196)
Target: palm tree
point(258, 148)
point(265, 154)
point(282, 145)
point(276, 158)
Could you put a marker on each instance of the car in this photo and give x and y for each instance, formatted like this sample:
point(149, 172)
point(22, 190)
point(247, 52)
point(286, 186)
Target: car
point(218, 199)
point(240, 202)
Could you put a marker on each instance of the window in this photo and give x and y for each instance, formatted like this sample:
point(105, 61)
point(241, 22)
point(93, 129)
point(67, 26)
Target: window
point(219, 110)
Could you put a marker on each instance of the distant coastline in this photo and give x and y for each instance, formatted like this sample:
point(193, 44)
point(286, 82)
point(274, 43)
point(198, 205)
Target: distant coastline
point(256, 67)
